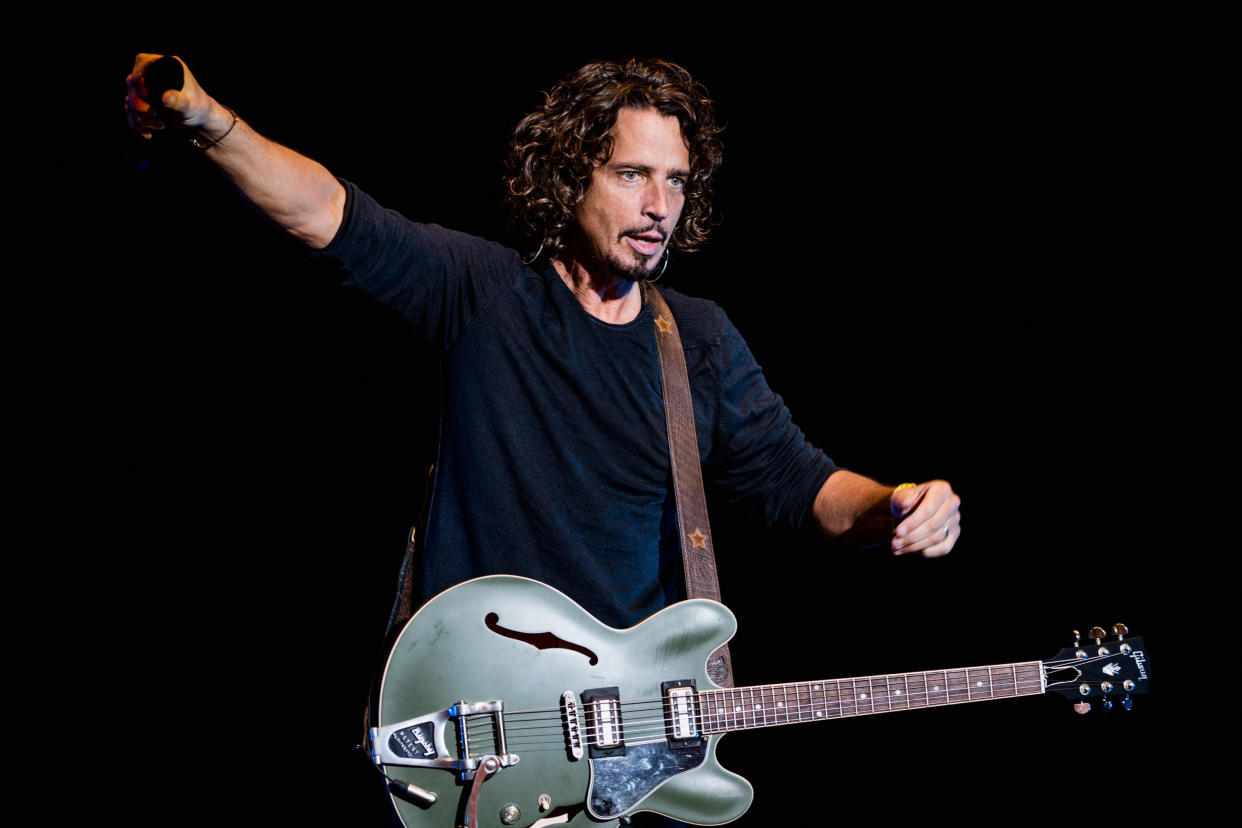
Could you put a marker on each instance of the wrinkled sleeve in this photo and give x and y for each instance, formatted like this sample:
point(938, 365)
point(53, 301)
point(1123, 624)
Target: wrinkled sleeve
point(438, 279)
point(761, 460)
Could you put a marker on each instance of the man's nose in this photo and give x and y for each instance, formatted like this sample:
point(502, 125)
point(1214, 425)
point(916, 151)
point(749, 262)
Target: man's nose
point(657, 202)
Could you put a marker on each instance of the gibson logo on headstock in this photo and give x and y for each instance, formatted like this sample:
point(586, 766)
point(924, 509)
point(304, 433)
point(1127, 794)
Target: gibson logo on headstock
point(1140, 663)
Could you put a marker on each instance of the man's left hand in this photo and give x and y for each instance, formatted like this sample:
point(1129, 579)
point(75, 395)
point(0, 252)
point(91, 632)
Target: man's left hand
point(930, 522)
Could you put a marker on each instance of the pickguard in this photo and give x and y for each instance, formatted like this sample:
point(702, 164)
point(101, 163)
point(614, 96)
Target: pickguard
point(618, 783)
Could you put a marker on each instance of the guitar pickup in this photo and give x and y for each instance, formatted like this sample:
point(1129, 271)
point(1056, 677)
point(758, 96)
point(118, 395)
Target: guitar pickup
point(605, 733)
point(681, 713)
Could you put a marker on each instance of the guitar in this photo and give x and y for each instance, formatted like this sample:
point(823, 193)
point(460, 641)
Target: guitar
point(503, 702)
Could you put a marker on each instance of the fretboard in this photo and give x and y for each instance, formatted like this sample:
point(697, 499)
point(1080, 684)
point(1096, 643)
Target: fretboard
point(741, 708)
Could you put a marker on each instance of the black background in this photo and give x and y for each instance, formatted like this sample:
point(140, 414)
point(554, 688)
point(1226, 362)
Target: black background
point(937, 244)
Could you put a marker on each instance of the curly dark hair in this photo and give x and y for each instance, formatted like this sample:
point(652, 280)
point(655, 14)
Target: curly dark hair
point(555, 148)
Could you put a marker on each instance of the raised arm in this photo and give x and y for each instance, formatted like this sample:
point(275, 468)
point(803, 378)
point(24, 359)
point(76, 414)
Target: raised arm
point(293, 192)
point(850, 505)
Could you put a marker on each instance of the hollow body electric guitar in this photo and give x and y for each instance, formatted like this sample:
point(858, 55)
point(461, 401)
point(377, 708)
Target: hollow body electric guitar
point(503, 703)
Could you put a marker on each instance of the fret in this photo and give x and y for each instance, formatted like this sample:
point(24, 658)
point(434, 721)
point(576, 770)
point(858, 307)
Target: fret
point(819, 707)
point(832, 700)
point(916, 690)
point(900, 694)
point(956, 686)
point(862, 701)
point(765, 706)
point(977, 685)
point(745, 700)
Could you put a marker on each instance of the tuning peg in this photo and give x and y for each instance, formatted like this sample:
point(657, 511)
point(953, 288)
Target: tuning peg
point(1097, 634)
point(1127, 702)
point(1082, 707)
point(1077, 638)
point(1106, 703)
point(1120, 630)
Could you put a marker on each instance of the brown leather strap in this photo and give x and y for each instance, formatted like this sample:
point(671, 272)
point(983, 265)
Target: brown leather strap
point(698, 554)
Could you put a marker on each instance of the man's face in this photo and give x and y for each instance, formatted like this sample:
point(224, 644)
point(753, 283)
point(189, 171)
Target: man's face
point(634, 199)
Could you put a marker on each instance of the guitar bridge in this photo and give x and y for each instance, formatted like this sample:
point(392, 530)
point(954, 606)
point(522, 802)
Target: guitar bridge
point(423, 741)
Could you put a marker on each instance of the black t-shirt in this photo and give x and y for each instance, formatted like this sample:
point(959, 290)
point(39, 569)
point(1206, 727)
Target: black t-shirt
point(553, 456)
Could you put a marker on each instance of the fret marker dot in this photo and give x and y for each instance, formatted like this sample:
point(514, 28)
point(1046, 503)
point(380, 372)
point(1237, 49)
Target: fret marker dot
point(780, 704)
point(978, 684)
point(737, 709)
point(816, 687)
point(936, 688)
point(819, 713)
point(758, 706)
point(862, 695)
point(896, 692)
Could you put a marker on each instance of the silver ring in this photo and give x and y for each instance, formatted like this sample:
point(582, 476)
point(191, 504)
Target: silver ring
point(947, 530)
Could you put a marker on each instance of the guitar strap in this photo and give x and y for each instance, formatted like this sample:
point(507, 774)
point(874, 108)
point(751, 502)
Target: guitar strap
point(698, 556)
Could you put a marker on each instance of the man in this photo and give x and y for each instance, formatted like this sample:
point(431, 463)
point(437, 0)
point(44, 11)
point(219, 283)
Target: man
point(553, 461)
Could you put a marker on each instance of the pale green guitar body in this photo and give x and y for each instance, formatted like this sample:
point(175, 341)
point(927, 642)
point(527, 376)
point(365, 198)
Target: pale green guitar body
point(485, 640)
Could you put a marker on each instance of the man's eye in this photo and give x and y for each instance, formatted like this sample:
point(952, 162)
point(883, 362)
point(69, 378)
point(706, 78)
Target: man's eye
point(677, 183)
point(629, 175)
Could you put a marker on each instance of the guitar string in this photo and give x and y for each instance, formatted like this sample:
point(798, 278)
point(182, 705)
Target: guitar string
point(955, 674)
point(637, 729)
point(838, 707)
point(1027, 683)
point(901, 697)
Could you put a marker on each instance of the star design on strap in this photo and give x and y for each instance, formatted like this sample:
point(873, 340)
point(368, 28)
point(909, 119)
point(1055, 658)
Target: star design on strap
point(663, 325)
point(698, 539)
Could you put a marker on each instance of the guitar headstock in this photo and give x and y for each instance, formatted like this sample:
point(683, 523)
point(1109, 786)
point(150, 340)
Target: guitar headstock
point(1098, 671)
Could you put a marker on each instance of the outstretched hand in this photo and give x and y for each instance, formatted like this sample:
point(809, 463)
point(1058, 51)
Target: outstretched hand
point(930, 522)
point(186, 107)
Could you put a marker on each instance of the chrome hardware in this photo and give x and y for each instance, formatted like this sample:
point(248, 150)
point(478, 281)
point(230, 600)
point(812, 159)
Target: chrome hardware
point(423, 741)
point(545, 802)
point(412, 793)
point(1084, 689)
point(1125, 649)
point(1107, 704)
point(510, 814)
point(1128, 684)
point(1106, 687)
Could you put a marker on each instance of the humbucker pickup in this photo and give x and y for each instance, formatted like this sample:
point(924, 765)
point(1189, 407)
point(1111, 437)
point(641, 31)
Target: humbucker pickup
point(681, 713)
point(606, 734)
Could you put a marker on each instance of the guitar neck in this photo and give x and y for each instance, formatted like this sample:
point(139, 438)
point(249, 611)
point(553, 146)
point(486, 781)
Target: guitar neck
point(743, 708)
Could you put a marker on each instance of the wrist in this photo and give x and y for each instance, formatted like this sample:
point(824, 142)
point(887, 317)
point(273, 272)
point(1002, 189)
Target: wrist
point(220, 121)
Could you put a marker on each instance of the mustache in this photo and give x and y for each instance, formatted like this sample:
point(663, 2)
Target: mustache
point(655, 228)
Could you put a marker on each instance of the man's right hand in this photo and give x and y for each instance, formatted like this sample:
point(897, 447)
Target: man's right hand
point(290, 190)
point(189, 107)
